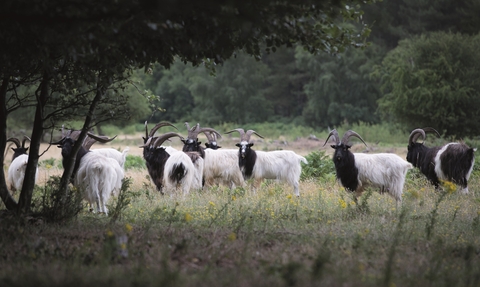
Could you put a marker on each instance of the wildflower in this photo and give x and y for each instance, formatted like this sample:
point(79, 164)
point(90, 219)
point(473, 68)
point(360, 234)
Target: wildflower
point(449, 186)
point(48, 166)
point(188, 217)
point(289, 196)
point(109, 233)
point(343, 203)
point(232, 236)
point(211, 203)
point(234, 198)
point(128, 228)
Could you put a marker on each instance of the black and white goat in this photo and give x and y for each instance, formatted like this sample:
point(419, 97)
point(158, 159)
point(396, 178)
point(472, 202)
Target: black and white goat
point(98, 176)
point(282, 165)
point(16, 170)
point(156, 156)
point(180, 169)
point(191, 143)
point(358, 170)
point(451, 162)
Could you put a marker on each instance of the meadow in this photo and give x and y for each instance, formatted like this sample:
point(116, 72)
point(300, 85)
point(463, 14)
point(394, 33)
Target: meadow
point(222, 237)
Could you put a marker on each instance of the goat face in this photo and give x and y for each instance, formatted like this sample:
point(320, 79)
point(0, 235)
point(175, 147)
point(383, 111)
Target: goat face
point(342, 156)
point(414, 151)
point(212, 145)
point(245, 147)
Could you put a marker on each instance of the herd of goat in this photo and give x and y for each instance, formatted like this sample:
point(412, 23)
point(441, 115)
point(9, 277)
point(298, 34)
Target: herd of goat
point(100, 172)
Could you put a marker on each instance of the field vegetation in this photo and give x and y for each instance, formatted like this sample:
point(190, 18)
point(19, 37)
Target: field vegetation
point(222, 237)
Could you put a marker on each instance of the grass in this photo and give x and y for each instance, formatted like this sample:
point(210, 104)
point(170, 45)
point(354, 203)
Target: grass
point(220, 237)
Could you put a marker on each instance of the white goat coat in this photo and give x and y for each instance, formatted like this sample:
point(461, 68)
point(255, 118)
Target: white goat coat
point(120, 157)
point(221, 167)
point(282, 165)
point(16, 172)
point(193, 173)
point(384, 170)
point(97, 176)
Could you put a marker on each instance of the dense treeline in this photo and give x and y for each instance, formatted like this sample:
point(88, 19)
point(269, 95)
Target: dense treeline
point(359, 85)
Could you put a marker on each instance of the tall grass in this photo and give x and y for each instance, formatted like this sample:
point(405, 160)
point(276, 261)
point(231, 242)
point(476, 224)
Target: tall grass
point(221, 237)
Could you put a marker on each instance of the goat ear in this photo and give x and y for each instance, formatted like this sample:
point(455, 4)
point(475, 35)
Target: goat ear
point(333, 146)
point(250, 144)
point(347, 146)
point(199, 143)
point(26, 149)
point(184, 141)
point(238, 145)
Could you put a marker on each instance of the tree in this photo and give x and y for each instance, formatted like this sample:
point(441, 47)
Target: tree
point(70, 46)
point(433, 81)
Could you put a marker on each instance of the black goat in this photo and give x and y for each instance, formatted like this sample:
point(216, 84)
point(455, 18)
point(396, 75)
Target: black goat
point(191, 143)
point(155, 155)
point(451, 162)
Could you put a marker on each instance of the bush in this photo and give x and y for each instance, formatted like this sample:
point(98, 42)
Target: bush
point(134, 161)
point(320, 165)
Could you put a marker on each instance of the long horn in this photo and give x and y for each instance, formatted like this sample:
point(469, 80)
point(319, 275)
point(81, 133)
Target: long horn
point(240, 131)
point(187, 125)
point(350, 134)
point(211, 137)
point(102, 139)
point(72, 134)
point(25, 138)
point(159, 125)
point(146, 129)
point(161, 139)
point(249, 133)
point(207, 130)
point(431, 130)
point(333, 133)
point(415, 134)
point(15, 141)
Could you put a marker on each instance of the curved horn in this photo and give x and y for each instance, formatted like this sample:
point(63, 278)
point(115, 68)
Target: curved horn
point(205, 131)
point(159, 125)
point(161, 139)
point(240, 131)
point(333, 133)
point(431, 130)
point(415, 134)
point(72, 134)
point(187, 125)
point(25, 138)
point(350, 134)
point(146, 129)
point(102, 139)
point(15, 141)
point(249, 133)
point(211, 137)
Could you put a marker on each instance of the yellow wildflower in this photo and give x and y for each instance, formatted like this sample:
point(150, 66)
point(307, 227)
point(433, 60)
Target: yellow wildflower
point(128, 228)
point(188, 217)
point(232, 236)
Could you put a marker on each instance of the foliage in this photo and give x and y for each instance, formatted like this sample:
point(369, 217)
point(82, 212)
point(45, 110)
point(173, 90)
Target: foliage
point(134, 162)
point(432, 81)
point(53, 206)
point(320, 166)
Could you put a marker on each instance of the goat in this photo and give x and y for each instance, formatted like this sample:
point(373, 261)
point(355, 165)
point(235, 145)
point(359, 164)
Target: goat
point(451, 162)
point(94, 173)
point(16, 170)
point(192, 143)
point(156, 156)
point(120, 157)
point(358, 170)
point(281, 165)
point(221, 167)
point(183, 169)
point(212, 141)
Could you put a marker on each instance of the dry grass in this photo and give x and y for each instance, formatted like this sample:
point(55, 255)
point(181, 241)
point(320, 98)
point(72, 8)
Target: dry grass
point(220, 237)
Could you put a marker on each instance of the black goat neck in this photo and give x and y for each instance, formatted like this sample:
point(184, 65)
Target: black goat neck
point(155, 159)
point(344, 162)
point(18, 152)
point(423, 158)
point(247, 161)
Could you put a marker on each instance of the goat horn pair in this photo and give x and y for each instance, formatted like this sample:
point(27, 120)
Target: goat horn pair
point(211, 137)
point(17, 141)
point(245, 136)
point(416, 133)
point(345, 139)
point(194, 131)
point(158, 141)
point(155, 128)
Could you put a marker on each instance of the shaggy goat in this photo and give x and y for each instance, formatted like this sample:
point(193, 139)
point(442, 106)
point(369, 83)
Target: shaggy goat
point(192, 143)
point(451, 162)
point(358, 170)
point(156, 156)
point(183, 169)
point(16, 170)
point(282, 165)
point(94, 173)
point(221, 167)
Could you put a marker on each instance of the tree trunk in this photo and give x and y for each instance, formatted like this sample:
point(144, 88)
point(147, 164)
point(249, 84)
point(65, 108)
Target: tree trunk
point(29, 182)
point(7, 198)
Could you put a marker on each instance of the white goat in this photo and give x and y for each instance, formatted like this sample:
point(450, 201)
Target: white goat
point(16, 170)
point(120, 157)
point(282, 165)
point(358, 170)
point(98, 176)
point(185, 170)
point(221, 167)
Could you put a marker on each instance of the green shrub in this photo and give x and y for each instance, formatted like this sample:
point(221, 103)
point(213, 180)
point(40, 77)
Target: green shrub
point(319, 165)
point(134, 161)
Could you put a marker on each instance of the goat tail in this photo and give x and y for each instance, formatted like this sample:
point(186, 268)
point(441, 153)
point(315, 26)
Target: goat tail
point(124, 156)
point(178, 172)
point(302, 159)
